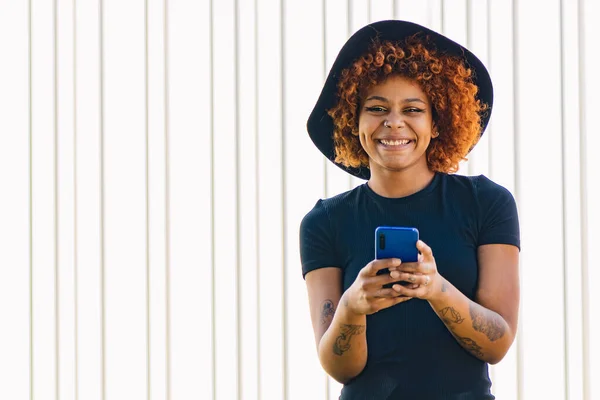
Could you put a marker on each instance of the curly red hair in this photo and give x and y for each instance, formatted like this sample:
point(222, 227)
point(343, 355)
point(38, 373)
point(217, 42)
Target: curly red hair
point(444, 78)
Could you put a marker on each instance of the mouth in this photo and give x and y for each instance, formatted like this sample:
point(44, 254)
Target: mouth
point(395, 144)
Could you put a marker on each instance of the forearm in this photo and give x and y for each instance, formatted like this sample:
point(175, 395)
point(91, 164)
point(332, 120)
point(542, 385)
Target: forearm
point(481, 331)
point(343, 347)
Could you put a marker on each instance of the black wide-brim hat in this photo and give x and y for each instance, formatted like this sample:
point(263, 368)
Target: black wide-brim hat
point(320, 124)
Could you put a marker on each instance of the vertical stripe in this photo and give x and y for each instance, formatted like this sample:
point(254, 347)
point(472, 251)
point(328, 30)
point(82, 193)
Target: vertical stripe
point(349, 33)
point(56, 255)
point(257, 203)
point(212, 197)
point(75, 255)
point(584, 207)
point(349, 17)
point(469, 31)
point(490, 127)
point(167, 205)
point(102, 257)
point(30, 82)
point(238, 236)
point(469, 42)
point(515, 42)
point(147, 188)
point(490, 132)
point(324, 27)
point(441, 16)
point(283, 204)
point(429, 14)
point(75, 260)
point(563, 129)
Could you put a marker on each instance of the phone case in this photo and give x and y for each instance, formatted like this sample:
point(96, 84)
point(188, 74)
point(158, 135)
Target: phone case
point(396, 242)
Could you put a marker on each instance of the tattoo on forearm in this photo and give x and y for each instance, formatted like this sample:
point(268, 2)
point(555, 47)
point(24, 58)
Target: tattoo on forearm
point(444, 287)
point(450, 315)
point(342, 342)
point(327, 311)
point(487, 324)
point(470, 345)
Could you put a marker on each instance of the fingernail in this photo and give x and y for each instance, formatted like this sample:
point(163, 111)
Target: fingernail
point(395, 274)
point(396, 262)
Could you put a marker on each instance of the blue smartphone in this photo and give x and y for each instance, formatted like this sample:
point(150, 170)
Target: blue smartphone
point(396, 242)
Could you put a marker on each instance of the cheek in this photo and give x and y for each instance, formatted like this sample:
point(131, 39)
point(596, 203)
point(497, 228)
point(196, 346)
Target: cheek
point(361, 138)
point(361, 134)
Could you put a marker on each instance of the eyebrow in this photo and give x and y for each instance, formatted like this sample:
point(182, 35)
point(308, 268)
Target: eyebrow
point(409, 100)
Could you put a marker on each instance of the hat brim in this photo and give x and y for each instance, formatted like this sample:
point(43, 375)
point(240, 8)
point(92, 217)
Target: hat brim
point(320, 124)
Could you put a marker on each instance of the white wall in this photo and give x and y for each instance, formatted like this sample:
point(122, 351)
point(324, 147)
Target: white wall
point(155, 167)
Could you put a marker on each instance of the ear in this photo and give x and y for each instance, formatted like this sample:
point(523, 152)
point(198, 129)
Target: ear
point(434, 131)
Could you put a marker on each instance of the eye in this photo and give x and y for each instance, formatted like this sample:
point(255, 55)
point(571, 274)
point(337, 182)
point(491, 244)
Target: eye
point(376, 109)
point(413, 110)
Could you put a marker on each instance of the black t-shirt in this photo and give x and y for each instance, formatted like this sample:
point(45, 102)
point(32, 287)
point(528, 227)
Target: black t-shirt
point(411, 353)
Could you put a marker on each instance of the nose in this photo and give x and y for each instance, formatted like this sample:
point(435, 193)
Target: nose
point(394, 120)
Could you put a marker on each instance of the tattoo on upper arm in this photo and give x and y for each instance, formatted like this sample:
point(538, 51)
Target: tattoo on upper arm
point(327, 311)
point(487, 324)
point(450, 315)
point(342, 342)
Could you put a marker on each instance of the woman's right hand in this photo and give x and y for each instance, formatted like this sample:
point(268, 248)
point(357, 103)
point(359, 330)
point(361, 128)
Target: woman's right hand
point(367, 294)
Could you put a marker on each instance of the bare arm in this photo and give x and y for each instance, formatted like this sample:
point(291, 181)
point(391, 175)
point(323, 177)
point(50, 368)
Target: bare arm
point(487, 326)
point(340, 338)
point(339, 321)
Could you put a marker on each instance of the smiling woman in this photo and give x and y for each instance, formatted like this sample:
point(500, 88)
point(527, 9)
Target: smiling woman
point(401, 107)
point(396, 125)
point(440, 79)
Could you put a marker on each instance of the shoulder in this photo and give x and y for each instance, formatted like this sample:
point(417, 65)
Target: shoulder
point(491, 192)
point(325, 208)
point(480, 186)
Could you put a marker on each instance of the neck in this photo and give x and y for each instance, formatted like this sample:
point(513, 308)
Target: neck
point(395, 184)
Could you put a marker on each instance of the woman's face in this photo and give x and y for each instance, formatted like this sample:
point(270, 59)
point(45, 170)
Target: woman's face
point(403, 143)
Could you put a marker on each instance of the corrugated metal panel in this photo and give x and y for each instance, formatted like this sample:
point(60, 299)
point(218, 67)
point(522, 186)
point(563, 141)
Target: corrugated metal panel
point(156, 169)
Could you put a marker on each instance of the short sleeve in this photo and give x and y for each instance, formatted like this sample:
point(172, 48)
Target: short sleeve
point(498, 219)
point(317, 248)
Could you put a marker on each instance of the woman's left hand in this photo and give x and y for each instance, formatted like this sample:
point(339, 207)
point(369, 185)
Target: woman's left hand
point(426, 282)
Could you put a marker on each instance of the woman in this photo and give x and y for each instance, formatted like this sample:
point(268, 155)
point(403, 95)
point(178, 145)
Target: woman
point(401, 107)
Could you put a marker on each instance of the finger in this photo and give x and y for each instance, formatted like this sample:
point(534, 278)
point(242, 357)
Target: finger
point(383, 293)
point(426, 280)
point(416, 279)
point(419, 292)
point(399, 288)
point(411, 267)
point(376, 265)
point(425, 250)
point(377, 281)
point(397, 276)
point(392, 277)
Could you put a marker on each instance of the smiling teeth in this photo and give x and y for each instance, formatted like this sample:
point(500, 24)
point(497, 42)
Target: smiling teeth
point(394, 142)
